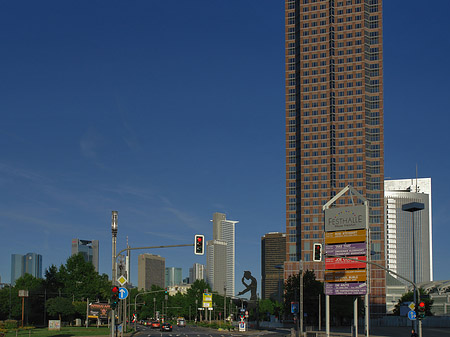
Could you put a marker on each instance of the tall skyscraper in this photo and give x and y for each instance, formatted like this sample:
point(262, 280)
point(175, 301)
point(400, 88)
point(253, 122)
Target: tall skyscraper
point(197, 272)
point(224, 230)
point(31, 263)
point(216, 265)
point(173, 277)
point(87, 248)
point(334, 123)
point(151, 271)
point(273, 254)
point(399, 240)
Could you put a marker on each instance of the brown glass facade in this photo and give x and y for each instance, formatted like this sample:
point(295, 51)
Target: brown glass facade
point(273, 253)
point(334, 123)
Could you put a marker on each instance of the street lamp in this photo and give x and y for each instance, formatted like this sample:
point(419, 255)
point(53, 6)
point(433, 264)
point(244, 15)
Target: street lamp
point(414, 207)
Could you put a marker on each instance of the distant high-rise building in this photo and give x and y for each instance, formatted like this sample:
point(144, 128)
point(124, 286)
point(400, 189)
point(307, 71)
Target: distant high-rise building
point(334, 124)
point(173, 276)
point(197, 272)
point(87, 248)
point(224, 230)
point(31, 263)
point(273, 253)
point(216, 263)
point(399, 240)
point(151, 271)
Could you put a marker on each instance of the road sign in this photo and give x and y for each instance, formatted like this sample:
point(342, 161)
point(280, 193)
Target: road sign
point(123, 293)
point(122, 280)
point(294, 307)
point(412, 315)
point(412, 306)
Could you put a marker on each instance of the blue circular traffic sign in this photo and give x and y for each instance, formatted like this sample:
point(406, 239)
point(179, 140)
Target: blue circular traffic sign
point(412, 315)
point(123, 293)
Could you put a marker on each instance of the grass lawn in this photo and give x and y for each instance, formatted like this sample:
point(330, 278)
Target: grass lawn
point(64, 332)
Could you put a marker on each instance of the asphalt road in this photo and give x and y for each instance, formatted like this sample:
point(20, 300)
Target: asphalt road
point(192, 331)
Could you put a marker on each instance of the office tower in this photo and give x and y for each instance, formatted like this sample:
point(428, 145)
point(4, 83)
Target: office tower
point(16, 267)
point(197, 272)
point(273, 254)
point(151, 271)
point(216, 265)
point(31, 263)
point(87, 248)
point(224, 230)
point(334, 124)
point(173, 277)
point(399, 231)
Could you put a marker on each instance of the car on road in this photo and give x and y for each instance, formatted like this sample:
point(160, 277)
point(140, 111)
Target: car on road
point(155, 325)
point(181, 322)
point(166, 327)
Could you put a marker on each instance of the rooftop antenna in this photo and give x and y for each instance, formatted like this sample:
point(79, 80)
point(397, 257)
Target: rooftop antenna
point(416, 178)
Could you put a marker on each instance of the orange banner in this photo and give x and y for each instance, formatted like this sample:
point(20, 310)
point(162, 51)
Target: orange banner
point(357, 275)
point(345, 236)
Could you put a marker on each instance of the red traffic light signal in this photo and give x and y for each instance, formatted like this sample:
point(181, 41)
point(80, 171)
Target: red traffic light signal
point(317, 252)
point(199, 244)
point(114, 297)
point(421, 308)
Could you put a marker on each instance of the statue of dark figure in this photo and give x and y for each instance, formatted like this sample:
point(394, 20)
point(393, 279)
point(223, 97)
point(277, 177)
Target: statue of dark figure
point(252, 286)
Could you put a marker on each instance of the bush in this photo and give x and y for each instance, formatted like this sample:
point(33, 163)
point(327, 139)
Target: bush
point(11, 324)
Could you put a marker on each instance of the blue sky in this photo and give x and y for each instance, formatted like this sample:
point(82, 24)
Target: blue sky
point(169, 111)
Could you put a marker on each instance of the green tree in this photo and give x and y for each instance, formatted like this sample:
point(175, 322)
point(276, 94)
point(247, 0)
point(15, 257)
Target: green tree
point(5, 302)
point(269, 307)
point(311, 291)
point(33, 304)
point(60, 307)
point(52, 282)
point(81, 281)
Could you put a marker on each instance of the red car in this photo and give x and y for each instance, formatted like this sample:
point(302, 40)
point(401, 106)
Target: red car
point(155, 325)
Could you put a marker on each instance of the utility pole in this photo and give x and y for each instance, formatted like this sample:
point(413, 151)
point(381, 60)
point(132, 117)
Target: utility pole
point(114, 224)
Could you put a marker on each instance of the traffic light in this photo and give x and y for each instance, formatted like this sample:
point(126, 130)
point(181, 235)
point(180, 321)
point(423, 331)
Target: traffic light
point(114, 297)
point(199, 244)
point(317, 252)
point(421, 310)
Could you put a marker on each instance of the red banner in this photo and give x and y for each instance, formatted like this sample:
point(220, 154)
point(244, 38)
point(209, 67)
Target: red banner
point(343, 263)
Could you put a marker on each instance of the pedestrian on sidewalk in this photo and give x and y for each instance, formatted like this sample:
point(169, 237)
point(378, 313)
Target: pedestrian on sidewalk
point(413, 333)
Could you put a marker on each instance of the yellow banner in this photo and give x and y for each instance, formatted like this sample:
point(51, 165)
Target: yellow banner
point(345, 236)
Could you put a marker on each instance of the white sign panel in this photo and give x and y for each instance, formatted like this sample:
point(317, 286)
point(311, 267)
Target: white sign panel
point(345, 218)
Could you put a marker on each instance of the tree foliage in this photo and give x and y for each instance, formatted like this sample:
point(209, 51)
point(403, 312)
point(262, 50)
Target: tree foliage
point(61, 308)
point(75, 281)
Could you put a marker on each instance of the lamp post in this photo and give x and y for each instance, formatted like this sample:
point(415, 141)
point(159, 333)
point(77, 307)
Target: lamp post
point(414, 207)
point(114, 221)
